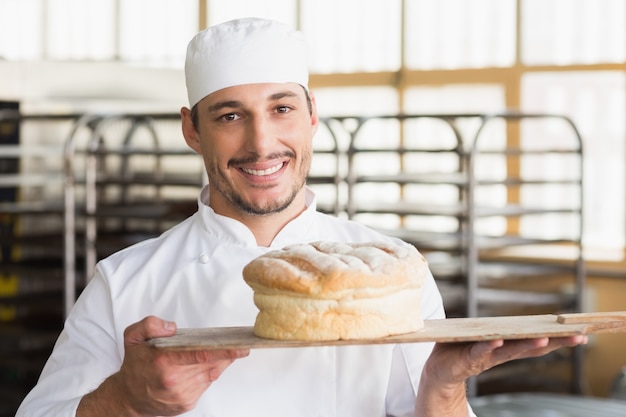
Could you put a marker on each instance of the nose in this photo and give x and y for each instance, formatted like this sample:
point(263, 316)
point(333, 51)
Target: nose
point(259, 135)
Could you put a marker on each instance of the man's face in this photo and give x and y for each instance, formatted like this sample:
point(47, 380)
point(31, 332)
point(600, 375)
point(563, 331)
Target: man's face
point(256, 143)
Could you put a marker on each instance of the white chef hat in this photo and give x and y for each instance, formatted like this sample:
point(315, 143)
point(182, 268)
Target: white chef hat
point(244, 51)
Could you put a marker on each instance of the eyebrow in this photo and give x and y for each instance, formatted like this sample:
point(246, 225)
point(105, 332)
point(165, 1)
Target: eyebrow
point(223, 104)
point(282, 94)
point(236, 103)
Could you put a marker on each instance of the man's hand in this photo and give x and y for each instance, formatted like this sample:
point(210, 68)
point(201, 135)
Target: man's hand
point(452, 363)
point(155, 382)
point(442, 387)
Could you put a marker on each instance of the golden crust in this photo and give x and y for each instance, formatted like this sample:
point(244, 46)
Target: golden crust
point(330, 291)
point(328, 269)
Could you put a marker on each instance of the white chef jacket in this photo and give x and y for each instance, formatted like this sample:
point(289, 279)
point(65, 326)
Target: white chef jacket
point(191, 274)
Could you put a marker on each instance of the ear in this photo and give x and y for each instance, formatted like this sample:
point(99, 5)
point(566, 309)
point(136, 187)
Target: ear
point(314, 117)
point(189, 130)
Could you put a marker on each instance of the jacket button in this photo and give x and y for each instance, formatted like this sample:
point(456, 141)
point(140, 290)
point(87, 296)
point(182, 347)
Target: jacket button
point(204, 258)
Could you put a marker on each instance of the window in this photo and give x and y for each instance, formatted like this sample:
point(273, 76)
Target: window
point(352, 36)
point(563, 32)
point(596, 102)
point(151, 32)
point(281, 10)
point(459, 34)
point(156, 32)
point(78, 30)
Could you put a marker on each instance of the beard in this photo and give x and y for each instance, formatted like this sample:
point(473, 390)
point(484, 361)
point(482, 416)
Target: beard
point(221, 183)
point(270, 207)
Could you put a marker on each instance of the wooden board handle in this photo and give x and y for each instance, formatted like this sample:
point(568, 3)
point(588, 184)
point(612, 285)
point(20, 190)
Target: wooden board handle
point(598, 317)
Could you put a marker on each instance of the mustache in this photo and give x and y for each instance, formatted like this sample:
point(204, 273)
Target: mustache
point(257, 158)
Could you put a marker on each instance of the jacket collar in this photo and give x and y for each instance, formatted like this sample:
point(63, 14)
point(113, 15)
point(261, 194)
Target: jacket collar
point(232, 231)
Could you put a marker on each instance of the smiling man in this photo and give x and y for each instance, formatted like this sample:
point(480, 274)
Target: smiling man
point(256, 143)
point(252, 119)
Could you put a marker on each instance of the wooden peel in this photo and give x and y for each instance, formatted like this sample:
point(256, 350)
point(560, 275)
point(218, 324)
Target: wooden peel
point(600, 317)
point(444, 330)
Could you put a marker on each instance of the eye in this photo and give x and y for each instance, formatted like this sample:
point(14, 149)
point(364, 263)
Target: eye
point(283, 109)
point(229, 117)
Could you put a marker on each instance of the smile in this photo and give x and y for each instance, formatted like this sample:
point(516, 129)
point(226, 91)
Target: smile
point(263, 172)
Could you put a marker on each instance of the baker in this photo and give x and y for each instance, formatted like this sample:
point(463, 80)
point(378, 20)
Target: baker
point(252, 118)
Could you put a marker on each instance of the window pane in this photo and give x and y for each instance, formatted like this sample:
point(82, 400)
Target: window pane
point(455, 99)
point(463, 99)
point(78, 30)
point(281, 10)
point(446, 34)
point(353, 101)
point(352, 35)
point(596, 103)
point(356, 101)
point(460, 99)
point(573, 31)
point(20, 29)
point(557, 176)
point(157, 31)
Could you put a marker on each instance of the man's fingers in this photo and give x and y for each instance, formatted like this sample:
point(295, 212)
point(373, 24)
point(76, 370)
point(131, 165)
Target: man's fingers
point(573, 340)
point(148, 328)
point(483, 348)
point(499, 351)
point(193, 357)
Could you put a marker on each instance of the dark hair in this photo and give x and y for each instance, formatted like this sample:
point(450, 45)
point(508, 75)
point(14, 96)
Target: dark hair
point(194, 109)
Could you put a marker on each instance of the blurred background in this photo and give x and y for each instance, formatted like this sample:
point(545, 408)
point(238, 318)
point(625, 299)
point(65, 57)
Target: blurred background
point(489, 133)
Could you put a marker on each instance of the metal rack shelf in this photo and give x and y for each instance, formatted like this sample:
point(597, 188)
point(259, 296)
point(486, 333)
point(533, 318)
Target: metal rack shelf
point(407, 193)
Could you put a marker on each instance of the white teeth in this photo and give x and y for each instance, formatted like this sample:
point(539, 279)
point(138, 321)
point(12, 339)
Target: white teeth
point(262, 172)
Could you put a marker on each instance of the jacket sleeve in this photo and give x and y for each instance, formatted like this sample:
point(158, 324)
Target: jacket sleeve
point(86, 352)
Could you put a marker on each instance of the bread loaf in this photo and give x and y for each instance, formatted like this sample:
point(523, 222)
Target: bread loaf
point(330, 291)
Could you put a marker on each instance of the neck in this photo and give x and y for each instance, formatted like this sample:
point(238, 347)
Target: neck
point(265, 228)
